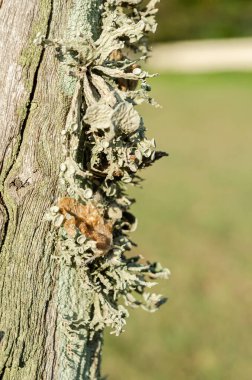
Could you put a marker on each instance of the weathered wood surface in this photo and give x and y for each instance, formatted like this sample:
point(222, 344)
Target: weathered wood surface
point(33, 110)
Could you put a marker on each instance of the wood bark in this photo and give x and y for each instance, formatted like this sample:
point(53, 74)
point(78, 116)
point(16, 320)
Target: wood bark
point(33, 110)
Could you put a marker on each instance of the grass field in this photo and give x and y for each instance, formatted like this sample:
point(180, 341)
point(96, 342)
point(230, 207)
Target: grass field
point(195, 216)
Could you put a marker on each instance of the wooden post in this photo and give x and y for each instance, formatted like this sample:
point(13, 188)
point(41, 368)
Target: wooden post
point(33, 109)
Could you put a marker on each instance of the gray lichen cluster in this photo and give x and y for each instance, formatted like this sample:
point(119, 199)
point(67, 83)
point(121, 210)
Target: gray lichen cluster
point(105, 146)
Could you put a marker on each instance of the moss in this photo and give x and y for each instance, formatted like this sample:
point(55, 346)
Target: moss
point(30, 55)
point(21, 111)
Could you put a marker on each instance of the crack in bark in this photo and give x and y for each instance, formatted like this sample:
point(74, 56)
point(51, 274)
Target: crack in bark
point(4, 366)
point(2, 373)
point(5, 222)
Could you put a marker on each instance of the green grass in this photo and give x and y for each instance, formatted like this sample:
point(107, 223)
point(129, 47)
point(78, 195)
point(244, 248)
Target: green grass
point(195, 216)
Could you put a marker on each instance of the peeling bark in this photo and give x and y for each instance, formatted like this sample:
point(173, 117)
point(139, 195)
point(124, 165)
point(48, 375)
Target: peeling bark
point(33, 109)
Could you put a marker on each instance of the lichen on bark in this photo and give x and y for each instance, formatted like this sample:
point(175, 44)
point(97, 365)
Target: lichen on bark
point(85, 279)
point(105, 146)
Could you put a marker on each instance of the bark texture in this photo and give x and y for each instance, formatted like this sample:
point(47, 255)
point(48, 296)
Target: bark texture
point(33, 109)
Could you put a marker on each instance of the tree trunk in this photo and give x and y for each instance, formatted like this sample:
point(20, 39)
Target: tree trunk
point(36, 297)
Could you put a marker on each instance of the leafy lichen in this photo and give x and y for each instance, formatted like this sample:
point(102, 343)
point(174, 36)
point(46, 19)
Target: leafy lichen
point(105, 145)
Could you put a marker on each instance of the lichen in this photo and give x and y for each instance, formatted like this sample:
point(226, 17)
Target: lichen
point(105, 145)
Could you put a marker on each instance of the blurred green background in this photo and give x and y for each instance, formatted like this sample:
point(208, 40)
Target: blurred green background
point(190, 19)
point(195, 215)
